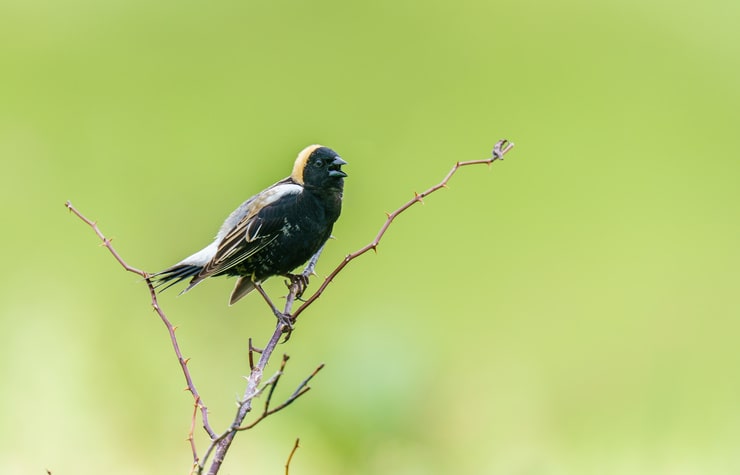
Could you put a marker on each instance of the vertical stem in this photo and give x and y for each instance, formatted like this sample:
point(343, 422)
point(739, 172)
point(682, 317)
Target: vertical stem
point(253, 382)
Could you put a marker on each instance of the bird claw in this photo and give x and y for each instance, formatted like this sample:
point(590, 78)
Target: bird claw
point(300, 281)
point(287, 321)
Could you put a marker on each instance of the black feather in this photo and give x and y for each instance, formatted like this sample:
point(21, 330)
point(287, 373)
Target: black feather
point(173, 275)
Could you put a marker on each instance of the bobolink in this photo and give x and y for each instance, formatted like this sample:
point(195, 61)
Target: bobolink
point(274, 231)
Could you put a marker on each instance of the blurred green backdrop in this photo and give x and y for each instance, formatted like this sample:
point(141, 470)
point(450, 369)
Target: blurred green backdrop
point(572, 310)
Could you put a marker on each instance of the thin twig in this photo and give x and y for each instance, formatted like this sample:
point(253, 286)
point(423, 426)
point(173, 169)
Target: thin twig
point(274, 383)
point(290, 457)
point(155, 304)
point(252, 349)
point(191, 433)
point(299, 391)
point(221, 444)
point(106, 241)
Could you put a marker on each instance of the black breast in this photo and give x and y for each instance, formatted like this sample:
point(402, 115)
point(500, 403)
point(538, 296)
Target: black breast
point(306, 226)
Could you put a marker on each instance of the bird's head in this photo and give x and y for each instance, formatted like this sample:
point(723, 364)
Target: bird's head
point(319, 167)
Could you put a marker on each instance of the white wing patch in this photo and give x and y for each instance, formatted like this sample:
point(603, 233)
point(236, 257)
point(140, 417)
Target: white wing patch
point(201, 257)
point(247, 209)
point(250, 207)
point(274, 193)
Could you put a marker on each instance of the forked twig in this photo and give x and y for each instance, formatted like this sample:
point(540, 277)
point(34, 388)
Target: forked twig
point(220, 444)
point(300, 391)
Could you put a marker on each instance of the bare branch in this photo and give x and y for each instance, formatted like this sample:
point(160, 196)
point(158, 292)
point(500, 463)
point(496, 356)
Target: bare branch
point(252, 350)
point(290, 457)
point(501, 148)
point(274, 382)
point(191, 432)
point(295, 288)
point(155, 304)
point(106, 241)
point(220, 444)
point(300, 391)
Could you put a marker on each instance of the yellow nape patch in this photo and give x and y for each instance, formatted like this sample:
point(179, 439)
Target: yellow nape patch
point(300, 163)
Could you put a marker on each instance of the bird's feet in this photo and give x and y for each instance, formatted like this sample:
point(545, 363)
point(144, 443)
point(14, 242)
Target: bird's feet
point(297, 283)
point(286, 320)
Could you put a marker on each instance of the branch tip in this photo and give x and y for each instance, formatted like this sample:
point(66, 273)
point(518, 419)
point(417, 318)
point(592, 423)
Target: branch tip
point(93, 225)
point(290, 457)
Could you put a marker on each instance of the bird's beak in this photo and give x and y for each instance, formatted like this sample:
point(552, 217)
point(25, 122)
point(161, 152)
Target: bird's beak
point(335, 169)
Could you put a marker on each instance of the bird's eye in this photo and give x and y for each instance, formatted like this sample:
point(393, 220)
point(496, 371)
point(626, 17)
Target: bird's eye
point(318, 163)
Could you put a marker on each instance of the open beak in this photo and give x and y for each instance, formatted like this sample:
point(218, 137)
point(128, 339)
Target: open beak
point(335, 169)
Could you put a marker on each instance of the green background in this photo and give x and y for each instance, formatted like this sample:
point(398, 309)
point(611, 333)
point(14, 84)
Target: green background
point(571, 310)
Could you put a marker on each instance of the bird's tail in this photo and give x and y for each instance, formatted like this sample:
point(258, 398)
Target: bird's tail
point(174, 275)
point(243, 286)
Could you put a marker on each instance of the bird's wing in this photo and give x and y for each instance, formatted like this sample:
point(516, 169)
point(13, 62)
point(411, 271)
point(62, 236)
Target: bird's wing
point(262, 223)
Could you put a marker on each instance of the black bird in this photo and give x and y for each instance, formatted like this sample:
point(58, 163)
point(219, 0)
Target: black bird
point(274, 231)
